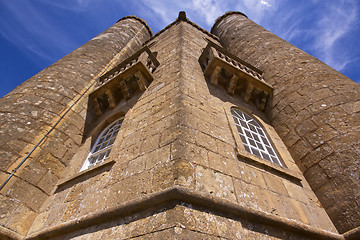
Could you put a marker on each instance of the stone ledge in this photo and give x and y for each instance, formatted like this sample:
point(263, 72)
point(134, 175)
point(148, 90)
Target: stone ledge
point(6, 234)
point(280, 171)
point(183, 195)
point(353, 234)
point(78, 175)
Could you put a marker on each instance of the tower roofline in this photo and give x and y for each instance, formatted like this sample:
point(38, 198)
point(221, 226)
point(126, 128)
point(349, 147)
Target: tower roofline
point(182, 17)
point(140, 20)
point(219, 19)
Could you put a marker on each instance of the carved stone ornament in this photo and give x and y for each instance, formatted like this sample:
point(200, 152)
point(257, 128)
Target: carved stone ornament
point(123, 81)
point(236, 76)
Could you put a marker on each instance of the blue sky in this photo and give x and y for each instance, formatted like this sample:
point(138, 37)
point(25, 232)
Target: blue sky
point(36, 33)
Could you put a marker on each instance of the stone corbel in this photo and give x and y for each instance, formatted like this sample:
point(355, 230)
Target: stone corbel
point(131, 76)
point(97, 107)
point(141, 81)
point(124, 89)
point(232, 84)
point(263, 100)
point(248, 92)
point(111, 99)
point(246, 78)
point(215, 76)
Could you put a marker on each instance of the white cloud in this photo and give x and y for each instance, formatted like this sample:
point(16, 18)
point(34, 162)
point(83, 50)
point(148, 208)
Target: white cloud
point(202, 12)
point(257, 10)
point(335, 24)
point(265, 3)
point(210, 9)
point(316, 26)
point(205, 12)
point(290, 20)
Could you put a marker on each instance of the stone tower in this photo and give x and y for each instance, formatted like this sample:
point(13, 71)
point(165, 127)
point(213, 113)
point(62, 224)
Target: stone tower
point(233, 134)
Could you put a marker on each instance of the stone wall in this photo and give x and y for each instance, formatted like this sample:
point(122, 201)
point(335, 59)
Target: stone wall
point(176, 148)
point(315, 110)
point(30, 110)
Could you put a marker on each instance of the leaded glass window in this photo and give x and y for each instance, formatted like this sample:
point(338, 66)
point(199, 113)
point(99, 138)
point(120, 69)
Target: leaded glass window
point(253, 136)
point(103, 145)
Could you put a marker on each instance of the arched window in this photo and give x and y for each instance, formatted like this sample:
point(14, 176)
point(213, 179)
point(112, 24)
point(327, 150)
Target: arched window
point(253, 136)
point(103, 145)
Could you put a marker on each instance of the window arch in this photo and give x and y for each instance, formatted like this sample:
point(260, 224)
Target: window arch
point(253, 136)
point(103, 145)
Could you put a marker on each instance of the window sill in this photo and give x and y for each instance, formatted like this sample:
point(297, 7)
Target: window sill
point(78, 176)
point(249, 158)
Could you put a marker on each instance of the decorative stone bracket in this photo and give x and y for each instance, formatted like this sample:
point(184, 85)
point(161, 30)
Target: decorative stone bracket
point(123, 81)
point(238, 77)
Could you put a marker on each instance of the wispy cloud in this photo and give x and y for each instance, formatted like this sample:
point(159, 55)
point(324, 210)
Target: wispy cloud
point(315, 26)
point(49, 29)
point(257, 10)
point(71, 5)
point(332, 26)
point(203, 12)
point(208, 9)
point(34, 32)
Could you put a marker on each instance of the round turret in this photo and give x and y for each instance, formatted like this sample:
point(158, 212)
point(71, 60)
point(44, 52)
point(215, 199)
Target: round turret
point(315, 110)
point(33, 141)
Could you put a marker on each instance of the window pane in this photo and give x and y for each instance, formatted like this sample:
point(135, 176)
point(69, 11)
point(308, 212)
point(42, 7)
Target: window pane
point(251, 132)
point(243, 139)
point(111, 141)
point(108, 137)
point(265, 141)
point(252, 128)
point(259, 145)
point(97, 148)
point(261, 132)
point(239, 129)
point(266, 156)
point(107, 153)
point(243, 124)
point(252, 142)
point(105, 140)
point(256, 152)
point(256, 137)
point(275, 160)
point(270, 150)
point(101, 156)
point(252, 121)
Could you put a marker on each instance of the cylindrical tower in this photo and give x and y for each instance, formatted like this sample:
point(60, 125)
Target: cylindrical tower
point(32, 109)
point(315, 110)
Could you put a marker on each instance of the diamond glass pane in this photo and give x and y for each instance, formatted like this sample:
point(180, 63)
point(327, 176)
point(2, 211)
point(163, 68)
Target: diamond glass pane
point(254, 136)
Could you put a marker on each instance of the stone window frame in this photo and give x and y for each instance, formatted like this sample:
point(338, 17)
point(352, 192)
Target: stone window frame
point(106, 164)
point(105, 151)
point(247, 157)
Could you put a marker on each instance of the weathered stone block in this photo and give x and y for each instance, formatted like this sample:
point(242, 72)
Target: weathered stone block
point(215, 183)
